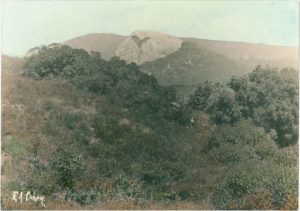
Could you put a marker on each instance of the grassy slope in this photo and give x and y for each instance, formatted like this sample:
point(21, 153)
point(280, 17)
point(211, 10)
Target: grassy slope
point(106, 44)
point(251, 54)
point(25, 113)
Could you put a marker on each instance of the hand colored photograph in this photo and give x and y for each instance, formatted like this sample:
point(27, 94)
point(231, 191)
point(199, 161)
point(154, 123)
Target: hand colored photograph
point(149, 105)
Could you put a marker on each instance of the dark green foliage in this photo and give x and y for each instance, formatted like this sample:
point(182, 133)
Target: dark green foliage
point(201, 96)
point(268, 98)
point(66, 168)
point(223, 107)
point(135, 131)
point(109, 128)
point(258, 170)
point(271, 100)
point(240, 142)
point(61, 61)
point(217, 100)
point(70, 127)
point(145, 155)
point(248, 179)
point(123, 83)
point(135, 139)
point(77, 126)
point(260, 175)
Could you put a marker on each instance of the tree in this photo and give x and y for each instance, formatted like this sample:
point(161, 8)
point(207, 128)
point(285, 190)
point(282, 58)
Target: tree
point(201, 96)
point(61, 61)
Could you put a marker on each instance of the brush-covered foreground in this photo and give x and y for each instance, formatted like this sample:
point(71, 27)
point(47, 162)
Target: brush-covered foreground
point(92, 134)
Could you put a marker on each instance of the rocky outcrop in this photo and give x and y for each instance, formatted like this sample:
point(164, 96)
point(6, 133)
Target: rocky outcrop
point(144, 46)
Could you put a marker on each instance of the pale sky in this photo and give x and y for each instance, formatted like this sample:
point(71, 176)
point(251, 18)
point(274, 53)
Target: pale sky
point(26, 24)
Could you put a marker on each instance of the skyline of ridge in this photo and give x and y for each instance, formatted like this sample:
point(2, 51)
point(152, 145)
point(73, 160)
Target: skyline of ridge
point(182, 37)
point(26, 24)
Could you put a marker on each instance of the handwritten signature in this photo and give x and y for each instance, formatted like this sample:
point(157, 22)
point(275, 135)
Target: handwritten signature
point(20, 197)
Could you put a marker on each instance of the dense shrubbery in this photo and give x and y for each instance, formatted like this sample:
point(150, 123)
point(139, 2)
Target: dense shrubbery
point(134, 132)
point(139, 152)
point(241, 142)
point(268, 98)
point(253, 116)
point(66, 168)
point(123, 83)
point(260, 176)
point(138, 139)
point(61, 61)
point(270, 185)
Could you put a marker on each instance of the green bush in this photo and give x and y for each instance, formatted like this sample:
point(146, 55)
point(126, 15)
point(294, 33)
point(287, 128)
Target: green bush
point(66, 168)
point(240, 142)
point(217, 100)
point(61, 61)
point(201, 96)
point(253, 177)
point(267, 97)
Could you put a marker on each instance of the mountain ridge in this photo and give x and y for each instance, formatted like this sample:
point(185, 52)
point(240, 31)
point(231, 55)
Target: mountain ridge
point(251, 54)
point(105, 43)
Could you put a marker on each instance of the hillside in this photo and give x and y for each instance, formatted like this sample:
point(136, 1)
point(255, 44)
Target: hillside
point(250, 54)
point(191, 65)
point(185, 67)
point(106, 44)
point(124, 131)
point(87, 133)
